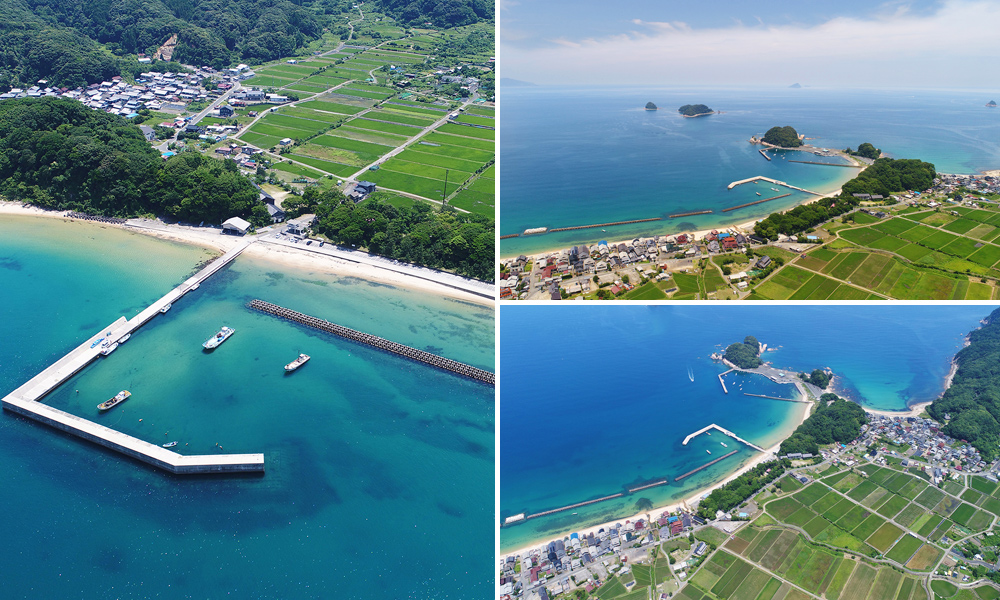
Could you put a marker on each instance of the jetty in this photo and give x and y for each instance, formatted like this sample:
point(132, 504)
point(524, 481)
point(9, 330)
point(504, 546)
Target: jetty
point(755, 202)
point(813, 162)
point(776, 398)
point(769, 180)
point(577, 505)
point(725, 432)
point(647, 486)
point(604, 224)
point(510, 235)
point(25, 400)
point(723, 386)
point(704, 466)
point(374, 341)
point(689, 214)
point(764, 154)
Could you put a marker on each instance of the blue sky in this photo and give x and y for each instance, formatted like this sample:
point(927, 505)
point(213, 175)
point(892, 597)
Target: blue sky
point(927, 43)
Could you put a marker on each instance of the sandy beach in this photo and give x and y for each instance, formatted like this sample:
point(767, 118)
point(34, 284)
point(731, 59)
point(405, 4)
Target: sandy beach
point(769, 454)
point(392, 274)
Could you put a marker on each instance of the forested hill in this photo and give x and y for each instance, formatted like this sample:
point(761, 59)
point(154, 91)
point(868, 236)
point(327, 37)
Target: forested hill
point(57, 153)
point(440, 13)
point(973, 400)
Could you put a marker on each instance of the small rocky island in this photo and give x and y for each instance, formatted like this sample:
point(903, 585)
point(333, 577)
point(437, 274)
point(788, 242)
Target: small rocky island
point(651, 106)
point(992, 104)
point(695, 110)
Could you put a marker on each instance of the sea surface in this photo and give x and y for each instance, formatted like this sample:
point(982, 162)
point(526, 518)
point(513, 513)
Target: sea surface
point(587, 155)
point(380, 472)
point(594, 400)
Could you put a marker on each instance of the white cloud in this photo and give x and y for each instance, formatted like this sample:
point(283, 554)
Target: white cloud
point(950, 47)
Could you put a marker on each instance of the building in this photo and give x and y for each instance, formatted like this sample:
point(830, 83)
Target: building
point(226, 111)
point(300, 225)
point(236, 226)
point(148, 132)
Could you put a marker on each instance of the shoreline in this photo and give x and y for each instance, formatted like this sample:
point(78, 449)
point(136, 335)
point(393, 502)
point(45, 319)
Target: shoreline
point(770, 453)
point(213, 239)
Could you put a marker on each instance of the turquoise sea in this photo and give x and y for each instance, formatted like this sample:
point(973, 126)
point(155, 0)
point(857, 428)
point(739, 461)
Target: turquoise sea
point(604, 396)
point(586, 155)
point(379, 479)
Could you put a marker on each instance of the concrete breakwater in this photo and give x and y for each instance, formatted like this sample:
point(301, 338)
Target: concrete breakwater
point(577, 505)
point(524, 517)
point(510, 235)
point(689, 214)
point(704, 466)
point(755, 202)
point(764, 154)
point(813, 162)
point(776, 398)
point(605, 224)
point(433, 360)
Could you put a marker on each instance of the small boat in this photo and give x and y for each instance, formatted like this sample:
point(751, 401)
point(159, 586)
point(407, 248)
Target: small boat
point(165, 308)
point(169, 444)
point(298, 362)
point(222, 335)
point(109, 348)
point(120, 397)
point(94, 345)
point(724, 445)
point(195, 286)
point(124, 338)
point(709, 451)
point(758, 193)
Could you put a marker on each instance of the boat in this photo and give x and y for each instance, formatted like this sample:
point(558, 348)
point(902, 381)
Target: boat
point(169, 444)
point(94, 345)
point(109, 348)
point(213, 342)
point(120, 397)
point(758, 193)
point(690, 374)
point(724, 445)
point(709, 451)
point(298, 362)
point(124, 338)
point(165, 308)
point(195, 286)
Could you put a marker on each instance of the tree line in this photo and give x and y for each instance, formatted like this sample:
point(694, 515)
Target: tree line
point(834, 420)
point(737, 491)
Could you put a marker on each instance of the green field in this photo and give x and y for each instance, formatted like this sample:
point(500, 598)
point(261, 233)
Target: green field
point(904, 549)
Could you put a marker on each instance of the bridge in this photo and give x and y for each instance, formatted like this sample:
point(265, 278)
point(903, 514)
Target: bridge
point(25, 400)
point(725, 432)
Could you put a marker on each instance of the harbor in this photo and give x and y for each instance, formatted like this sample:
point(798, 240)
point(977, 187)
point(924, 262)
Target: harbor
point(769, 180)
point(725, 432)
point(26, 399)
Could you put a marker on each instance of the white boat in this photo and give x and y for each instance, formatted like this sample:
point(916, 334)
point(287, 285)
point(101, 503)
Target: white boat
point(165, 308)
point(169, 444)
point(120, 397)
point(195, 286)
point(709, 451)
point(213, 342)
point(724, 445)
point(298, 362)
point(108, 349)
point(124, 338)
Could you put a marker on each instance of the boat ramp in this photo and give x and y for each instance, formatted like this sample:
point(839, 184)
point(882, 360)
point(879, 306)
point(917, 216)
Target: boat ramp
point(26, 400)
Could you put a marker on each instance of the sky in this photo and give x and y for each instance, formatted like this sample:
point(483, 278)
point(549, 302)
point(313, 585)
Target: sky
point(852, 43)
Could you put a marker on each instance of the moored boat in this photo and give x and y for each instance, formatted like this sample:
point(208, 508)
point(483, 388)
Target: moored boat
point(124, 338)
point(165, 308)
point(120, 397)
point(213, 342)
point(298, 362)
point(169, 444)
point(108, 348)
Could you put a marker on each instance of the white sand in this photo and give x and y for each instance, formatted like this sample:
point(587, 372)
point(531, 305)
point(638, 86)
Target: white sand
point(292, 256)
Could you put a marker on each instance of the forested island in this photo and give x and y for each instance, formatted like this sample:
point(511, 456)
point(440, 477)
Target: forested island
point(970, 407)
point(695, 110)
point(835, 420)
point(745, 354)
point(865, 150)
point(991, 104)
point(651, 106)
point(785, 137)
point(886, 176)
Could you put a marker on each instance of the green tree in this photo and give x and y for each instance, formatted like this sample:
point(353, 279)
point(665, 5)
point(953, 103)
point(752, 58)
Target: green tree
point(786, 137)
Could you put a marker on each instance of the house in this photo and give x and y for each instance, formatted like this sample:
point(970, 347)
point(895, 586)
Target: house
point(147, 132)
point(226, 111)
point(730, 243)
point(300, 225)
point(236, 226)
point(763, 262)
point(285, 141)
point(277, 215)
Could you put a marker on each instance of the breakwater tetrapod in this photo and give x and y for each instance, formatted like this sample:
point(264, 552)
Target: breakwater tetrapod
point(374, 341)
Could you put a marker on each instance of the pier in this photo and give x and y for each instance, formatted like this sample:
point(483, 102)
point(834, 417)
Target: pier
point(724, 431)
point(769, 180)
point(755, 202)
point(25, 400)
point(723, 386)
point(689, 214)
point(704, 466)
point(433, 360)
point(764, 154)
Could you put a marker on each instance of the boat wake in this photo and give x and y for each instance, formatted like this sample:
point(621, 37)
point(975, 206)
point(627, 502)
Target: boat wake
point(690, 374)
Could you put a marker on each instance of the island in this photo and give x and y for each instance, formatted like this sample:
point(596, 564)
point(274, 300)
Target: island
point(795, 86)
point(651, 106)
point(784, 137)
point(865, 150)
point(695, 110)
point(992, 104)
point(745, 354)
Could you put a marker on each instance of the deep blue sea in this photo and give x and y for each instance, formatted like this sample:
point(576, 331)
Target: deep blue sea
point(380, 472)
point(581, 156)
point(599, 398)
